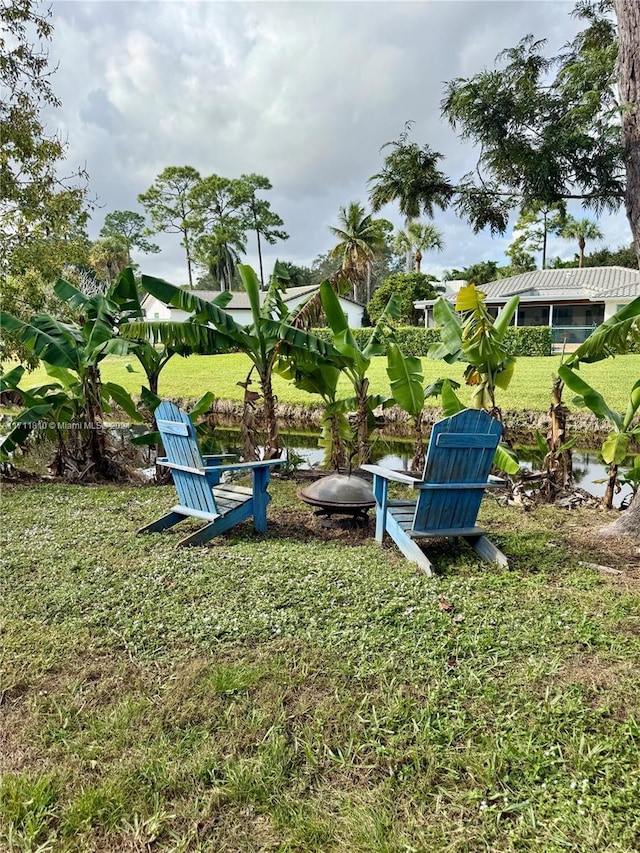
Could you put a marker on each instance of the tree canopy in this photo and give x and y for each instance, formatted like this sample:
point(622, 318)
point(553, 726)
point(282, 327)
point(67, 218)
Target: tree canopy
point(547, 126)
point(406, 288)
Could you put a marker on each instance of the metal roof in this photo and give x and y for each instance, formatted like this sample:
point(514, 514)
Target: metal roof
point(594, 283)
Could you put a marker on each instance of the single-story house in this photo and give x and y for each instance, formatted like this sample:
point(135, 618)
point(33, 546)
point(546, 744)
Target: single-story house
point(571, 301)
point(240, 309)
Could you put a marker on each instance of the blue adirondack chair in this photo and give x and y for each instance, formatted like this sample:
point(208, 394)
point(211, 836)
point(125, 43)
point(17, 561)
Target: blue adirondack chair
point(456, 474)
point(197, 481)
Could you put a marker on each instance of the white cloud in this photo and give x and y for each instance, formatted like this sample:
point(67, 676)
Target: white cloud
point(305, 93)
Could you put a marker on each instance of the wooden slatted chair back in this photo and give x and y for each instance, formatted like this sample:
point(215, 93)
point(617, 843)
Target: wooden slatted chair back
point(181, 448)
point(459, 457)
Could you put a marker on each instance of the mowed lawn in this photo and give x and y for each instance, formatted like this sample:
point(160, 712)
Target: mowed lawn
point(308, 690)
point(189, 378)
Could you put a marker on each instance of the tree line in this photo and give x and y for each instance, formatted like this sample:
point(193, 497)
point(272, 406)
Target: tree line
point(550, 129)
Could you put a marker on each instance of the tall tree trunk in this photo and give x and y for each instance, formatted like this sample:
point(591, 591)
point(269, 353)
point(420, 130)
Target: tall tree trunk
point(260, 260)
point(187, 248)
point(418, 260)
point(581, 245)
point(409, 256)
point(628, 13)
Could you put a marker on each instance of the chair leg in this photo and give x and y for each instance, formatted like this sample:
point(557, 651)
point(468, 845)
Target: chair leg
point(487, 550)
point(260, 499)
point(163, 523)
point(201, 535)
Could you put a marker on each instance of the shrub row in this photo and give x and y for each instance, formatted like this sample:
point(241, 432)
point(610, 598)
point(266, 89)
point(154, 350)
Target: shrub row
point(416, 340)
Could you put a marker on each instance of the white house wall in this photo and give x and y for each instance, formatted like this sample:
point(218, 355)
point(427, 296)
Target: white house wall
point(156, 310)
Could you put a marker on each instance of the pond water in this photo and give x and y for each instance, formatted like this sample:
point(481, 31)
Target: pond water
point(396, 453)
point(588, 465)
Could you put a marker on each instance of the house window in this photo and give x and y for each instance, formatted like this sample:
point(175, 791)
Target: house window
point(533, 315)
point(156, 316)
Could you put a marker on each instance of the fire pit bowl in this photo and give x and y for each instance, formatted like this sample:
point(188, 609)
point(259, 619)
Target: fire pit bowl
point(339, 494)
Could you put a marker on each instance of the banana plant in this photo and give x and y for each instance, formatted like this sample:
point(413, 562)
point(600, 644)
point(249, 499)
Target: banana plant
point(356, 363)
point(612, 337)
point(73, 405)
point(407, 389)
point(469, 333)
point(505, 459)
point(615, 447)
point(268, 338)
point(336, 436)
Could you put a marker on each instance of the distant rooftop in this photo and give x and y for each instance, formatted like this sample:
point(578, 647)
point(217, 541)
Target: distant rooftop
point(586, 283)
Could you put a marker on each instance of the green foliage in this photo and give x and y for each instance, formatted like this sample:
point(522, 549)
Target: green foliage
point(548, 127)
point(625, 256)
point(416, 238)
point(472, 335)
point(71, 407)
point(36, 203)
point(410, 177)
point(609, 338)
point(212, 214)
point(536, 222)
point(360, 238)
point(131, 228)
point(406, 288)
point(268, 339)
point(416, 340)
point(580, 230)
point(478, 274)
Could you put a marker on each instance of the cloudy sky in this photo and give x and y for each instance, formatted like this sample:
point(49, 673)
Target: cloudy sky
point(305, 93)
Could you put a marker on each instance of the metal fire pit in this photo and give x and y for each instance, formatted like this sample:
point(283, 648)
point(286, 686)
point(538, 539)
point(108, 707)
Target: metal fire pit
point(339, 494)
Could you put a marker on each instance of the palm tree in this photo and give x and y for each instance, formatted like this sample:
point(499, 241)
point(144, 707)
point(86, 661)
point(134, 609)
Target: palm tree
point(410, 176)
point(418, 237)
point(581, 230)
point(360, 237)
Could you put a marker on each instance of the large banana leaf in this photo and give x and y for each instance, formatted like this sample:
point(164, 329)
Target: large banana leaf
point(55, 342)
point(10, 380)
point(203, 310)
point(68, 293)
point(503, 320)
point(336, 317)
point(450, 347)
point(633, 406)
point(116, 393)
point(406, 377)
point(124, 293)
point(197, 338)
point(376, 345)
point(615, 447)
point(611, 337)
point(588, 396)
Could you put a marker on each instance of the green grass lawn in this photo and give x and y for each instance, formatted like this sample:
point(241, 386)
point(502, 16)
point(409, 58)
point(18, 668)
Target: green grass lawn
point(189, 378)
point(308, 690)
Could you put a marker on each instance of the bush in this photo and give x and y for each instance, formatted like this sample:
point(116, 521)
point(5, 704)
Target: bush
point(528, 340)
point(416, 340)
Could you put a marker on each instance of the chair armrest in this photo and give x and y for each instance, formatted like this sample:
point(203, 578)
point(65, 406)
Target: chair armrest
point(210, 460)
point(497, 481)
point(246, 466)
point(388, 474)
